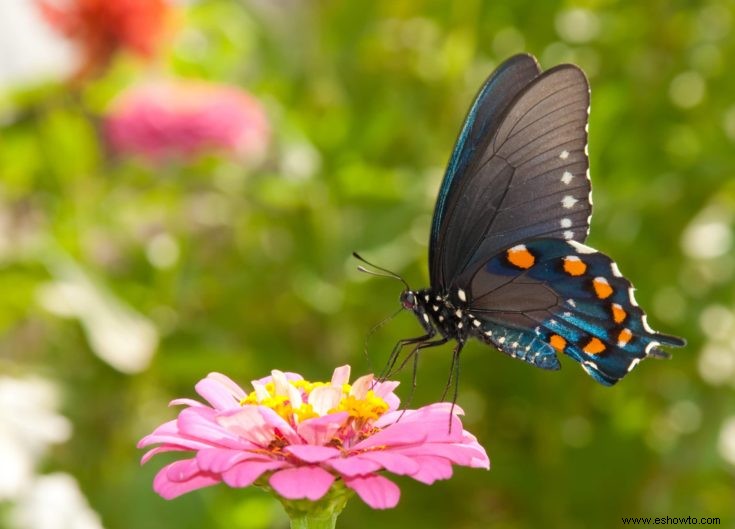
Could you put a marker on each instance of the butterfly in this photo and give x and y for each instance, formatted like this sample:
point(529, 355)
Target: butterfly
point(506, 256)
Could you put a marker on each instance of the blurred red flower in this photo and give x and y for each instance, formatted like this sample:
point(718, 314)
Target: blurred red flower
point(183, 119)
point(104, 27)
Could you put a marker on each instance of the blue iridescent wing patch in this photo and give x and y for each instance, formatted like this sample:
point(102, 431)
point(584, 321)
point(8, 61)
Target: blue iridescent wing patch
point(563, 296)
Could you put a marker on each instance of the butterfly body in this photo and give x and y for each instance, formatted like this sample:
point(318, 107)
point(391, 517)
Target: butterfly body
point(506, 256)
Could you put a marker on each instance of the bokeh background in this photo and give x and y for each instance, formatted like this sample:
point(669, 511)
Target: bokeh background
point(182, 185)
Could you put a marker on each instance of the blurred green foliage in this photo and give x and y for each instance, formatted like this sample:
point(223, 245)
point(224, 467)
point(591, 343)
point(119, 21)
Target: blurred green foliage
point(365, 100)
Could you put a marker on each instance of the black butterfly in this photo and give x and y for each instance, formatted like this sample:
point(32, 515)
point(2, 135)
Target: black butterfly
point(506, 258)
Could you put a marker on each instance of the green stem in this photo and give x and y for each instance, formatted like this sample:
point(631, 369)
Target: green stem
point(321, 514)
point(311, 521)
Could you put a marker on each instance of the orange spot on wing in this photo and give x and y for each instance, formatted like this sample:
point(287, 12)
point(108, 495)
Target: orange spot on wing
point(520, 256)
point(624, 337)
point(557, 342)
point(602, 287)
point(574, 266)
point(594, 346)
point(618, 313)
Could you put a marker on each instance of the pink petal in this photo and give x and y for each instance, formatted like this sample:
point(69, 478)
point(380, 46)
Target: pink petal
point(186, 402)
point(194, 425)
point(257, 424)
point(354, 466)
point(324, 398)
point(361, 386)
point(313, 454)
point(219, 460)
point(183, 470)
point(432, 469)
point(341, 376)
point(245, 473)
point(160, 450)
point(289, 376)
point(384, 390)
point(392, 462)
point(321, 430)
point(302, 482)
point(235, 390)
point(171, 489)
point(378, 492)
point(394, 435)
point(217, 394)
point(470, 456)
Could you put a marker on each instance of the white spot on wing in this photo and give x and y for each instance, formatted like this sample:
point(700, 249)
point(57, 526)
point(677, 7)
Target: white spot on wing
point(566, 177)
point(488, 333)
point(564, 154)
point(518, 248)
point(461, 295)
point(476, 323)
point(426, 317)
point(633, 363)
point(647, 327)
point(615, 270)
point(441, 318)
point(631, 295)
point(426, 297)
point(590, 367)
point(581, 248)
point(458, 313)
point(501, 340)
point(569, 235)
point(459, 325)
point(571, 302)
point(565, 223)
point(568, 201)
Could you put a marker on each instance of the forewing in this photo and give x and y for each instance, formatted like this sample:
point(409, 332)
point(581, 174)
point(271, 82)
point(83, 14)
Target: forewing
point(529, 180)
point(573, 299)
point(481, 123)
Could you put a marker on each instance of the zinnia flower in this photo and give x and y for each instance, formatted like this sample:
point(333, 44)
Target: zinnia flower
point(104, 27)
point(300, 439)
point(183, 119)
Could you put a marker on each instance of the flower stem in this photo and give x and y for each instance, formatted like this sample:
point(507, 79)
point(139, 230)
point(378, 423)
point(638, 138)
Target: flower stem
point(321, 514)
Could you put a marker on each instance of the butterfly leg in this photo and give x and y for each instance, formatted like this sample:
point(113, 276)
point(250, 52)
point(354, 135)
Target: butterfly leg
point(453, 378)
point(415, 355)
point(396, 352)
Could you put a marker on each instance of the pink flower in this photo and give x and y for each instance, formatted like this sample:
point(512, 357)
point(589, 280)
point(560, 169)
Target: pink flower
point(302, 438)
point(183, 119)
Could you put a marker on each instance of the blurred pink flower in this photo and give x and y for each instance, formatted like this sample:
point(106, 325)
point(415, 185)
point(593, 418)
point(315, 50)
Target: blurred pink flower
point(183, 119)
point(300, 438)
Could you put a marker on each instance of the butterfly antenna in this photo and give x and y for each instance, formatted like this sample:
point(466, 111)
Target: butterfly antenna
point(386, 272)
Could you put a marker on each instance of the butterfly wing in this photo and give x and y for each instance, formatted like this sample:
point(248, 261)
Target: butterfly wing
point(482, 122)
point(551, 295)
point(527, 178)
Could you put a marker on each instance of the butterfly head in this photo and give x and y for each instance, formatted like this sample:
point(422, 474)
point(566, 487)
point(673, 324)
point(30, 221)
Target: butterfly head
point(408, 299)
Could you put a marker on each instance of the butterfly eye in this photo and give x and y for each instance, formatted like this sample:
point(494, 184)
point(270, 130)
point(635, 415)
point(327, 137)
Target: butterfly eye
point(408, 299)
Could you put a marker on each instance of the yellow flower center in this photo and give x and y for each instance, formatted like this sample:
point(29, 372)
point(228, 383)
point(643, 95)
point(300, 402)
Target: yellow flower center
point(369, 408)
